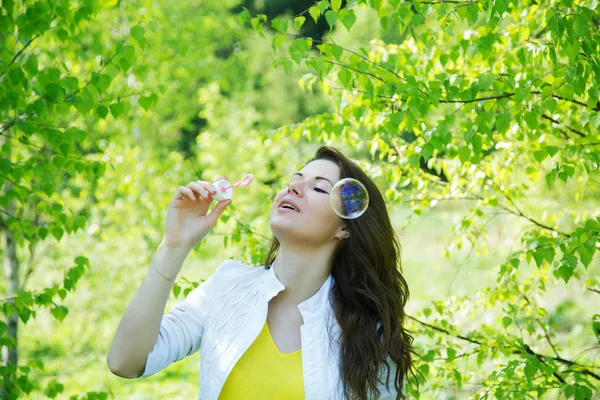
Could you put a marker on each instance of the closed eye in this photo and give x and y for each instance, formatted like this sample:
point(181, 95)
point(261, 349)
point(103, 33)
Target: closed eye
point(316, 189)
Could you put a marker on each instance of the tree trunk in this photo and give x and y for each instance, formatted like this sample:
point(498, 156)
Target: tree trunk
point(11, 268)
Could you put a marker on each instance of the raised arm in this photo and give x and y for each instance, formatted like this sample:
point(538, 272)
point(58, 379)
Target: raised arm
point(142, 328)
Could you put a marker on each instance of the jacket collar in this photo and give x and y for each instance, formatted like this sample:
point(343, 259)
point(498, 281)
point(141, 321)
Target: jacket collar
point(311, 308)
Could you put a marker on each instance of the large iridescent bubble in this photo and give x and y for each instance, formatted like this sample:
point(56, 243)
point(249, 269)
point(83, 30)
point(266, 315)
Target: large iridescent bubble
point(349, 198)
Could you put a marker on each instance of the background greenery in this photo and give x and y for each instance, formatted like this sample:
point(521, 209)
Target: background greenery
point(478, 119)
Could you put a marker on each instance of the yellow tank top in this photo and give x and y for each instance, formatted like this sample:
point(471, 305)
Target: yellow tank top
point(263, 372)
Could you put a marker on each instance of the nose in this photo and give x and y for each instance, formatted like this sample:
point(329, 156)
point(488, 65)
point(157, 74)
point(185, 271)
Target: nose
point(294, 186)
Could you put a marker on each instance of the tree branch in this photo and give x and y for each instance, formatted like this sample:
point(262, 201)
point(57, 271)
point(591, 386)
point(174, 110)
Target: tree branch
point(18, 54)
point(502, 96)
point(516, 351)
point(579, 103)
point(593, 290)
point(568, 127)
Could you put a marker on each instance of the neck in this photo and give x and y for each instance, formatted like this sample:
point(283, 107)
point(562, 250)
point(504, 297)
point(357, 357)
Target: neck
point(302, 271)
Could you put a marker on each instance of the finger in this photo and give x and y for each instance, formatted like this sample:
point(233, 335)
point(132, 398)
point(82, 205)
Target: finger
point(179, 194)
point(208, 186)
point(187, 192)
point(216, 212)
point(198, 188)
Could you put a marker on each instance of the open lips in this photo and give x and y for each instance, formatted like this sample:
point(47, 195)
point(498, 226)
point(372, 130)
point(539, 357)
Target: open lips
point(289, 204)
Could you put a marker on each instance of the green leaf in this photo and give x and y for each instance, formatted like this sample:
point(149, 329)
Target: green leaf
point(299, 21)
point(54, 388)
point(299, 48)
point(485, 80)
point(31, 66)
point(331, 16)
point(57, 233)
point(176, 290)
point(464, 153)
point(102, 111)
point(586, 252)
point(416, 20)
point(583, 393)
point(116, 109)
point(564, 272)
point(256, 25)
point(315, 13)
point(287, 67)
point(552, 150)
point(81, 260)
point(531, 118)
point(70, 83)
point(595, 119)
point(138, 32)
point(59, 312)
point(540, 155)
point(427, 151)
point(48, 188)
point(323, 5)
point(596, 326)
point(345, 78)
point(65, 148)
point(24, 314)
point(451, 353)
point(336, 4)
point(280, 24)
point(147, 102)
point(278, 41)
point(244, 16)
point(550, 178)
point(101, 81)
point(530, 370)
point(16, 75)
point(55, 93)
point(62, 34)
point(127, 54)
point(347, 17)
point(337, 51)
point(53, 74)
point(581, 25)
point(565, 172)
point(84, 105)
point(506, 321)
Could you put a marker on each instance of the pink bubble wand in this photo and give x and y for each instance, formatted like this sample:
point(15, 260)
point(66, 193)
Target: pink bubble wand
point(224, 188)
point(246, 180)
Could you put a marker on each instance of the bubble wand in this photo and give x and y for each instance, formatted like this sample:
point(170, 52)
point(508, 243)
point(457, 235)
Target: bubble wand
point(224, 187)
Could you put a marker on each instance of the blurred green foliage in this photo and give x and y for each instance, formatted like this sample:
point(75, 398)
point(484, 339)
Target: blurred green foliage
point(481, 116)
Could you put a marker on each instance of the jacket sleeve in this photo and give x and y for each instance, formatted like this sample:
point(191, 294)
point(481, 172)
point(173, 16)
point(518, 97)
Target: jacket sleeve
point(181, 330)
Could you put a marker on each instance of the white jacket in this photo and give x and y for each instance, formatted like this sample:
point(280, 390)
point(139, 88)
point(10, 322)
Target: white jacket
point(223, 316)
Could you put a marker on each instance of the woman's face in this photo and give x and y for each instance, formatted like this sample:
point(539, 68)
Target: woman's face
point(313, 222)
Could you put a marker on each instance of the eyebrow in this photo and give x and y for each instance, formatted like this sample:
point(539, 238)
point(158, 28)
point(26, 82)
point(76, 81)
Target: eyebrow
point(317, 177)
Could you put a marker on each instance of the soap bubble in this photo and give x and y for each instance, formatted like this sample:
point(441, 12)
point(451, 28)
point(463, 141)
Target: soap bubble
point(349, 198)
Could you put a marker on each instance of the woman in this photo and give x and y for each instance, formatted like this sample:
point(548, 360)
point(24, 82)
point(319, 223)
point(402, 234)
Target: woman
point(321, 319)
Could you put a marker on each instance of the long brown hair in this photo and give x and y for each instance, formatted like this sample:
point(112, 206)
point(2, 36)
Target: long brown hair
point(369, 290)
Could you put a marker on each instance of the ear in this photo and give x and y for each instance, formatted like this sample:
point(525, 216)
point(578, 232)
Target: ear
point(342, 233)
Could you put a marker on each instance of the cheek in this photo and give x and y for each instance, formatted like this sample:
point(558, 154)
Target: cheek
point(322, 209)
point(278, 197)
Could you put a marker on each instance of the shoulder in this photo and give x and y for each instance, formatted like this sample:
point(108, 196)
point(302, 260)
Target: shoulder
point(232, 281)
point(231, 269)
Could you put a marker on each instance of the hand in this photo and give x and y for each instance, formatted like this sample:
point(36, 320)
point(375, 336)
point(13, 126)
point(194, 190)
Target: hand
point(187, 220)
